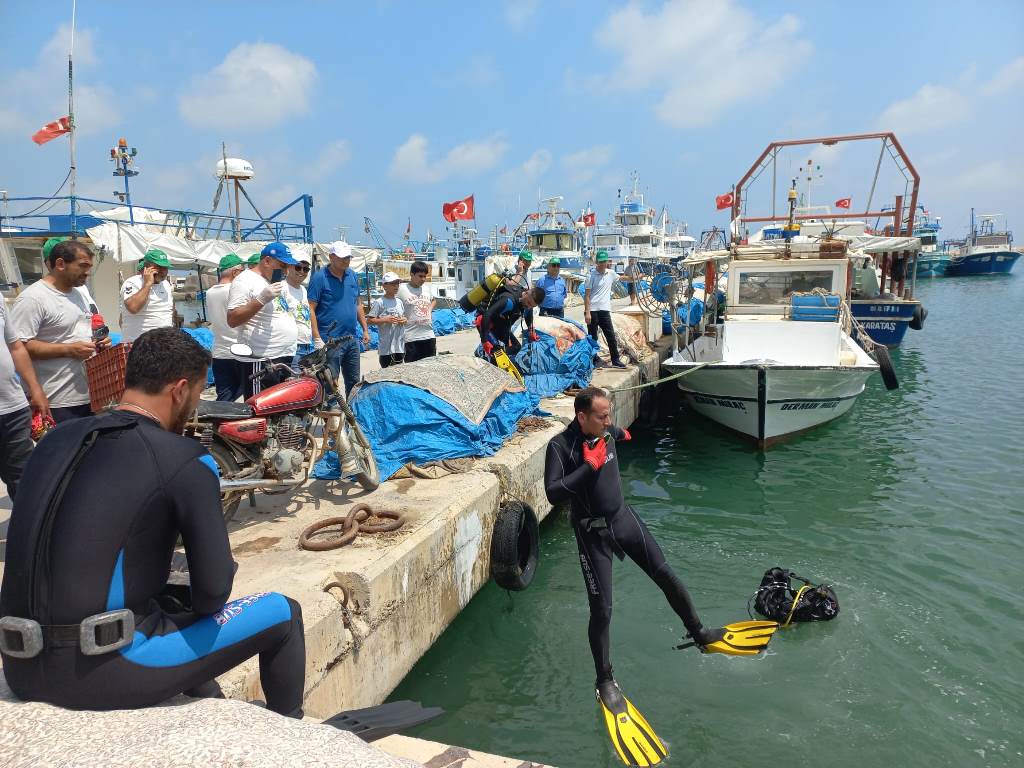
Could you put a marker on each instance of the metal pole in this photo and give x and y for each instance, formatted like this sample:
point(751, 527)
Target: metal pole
point(71, 124)
point(878, 167)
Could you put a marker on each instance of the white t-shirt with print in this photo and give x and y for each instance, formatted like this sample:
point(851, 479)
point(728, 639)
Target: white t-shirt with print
point(420, 323)
point(155, 313)
point(271, 332)
point(391, 337)
point(299, 304)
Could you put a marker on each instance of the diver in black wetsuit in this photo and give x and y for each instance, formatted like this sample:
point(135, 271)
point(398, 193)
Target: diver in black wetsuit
point(506, 306)
point(581, 467)
point(99, 509)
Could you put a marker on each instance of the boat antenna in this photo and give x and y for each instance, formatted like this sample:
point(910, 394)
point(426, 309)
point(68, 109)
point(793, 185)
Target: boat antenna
point(73, 171)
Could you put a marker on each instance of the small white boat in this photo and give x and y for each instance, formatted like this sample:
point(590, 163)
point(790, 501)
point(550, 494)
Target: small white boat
point(781, 361)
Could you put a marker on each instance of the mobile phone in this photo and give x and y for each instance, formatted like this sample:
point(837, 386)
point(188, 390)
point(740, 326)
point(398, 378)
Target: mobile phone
point(592, 442)
point(277, 276)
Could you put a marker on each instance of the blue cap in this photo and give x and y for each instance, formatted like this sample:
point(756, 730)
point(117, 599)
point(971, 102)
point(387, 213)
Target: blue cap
point(278, 251)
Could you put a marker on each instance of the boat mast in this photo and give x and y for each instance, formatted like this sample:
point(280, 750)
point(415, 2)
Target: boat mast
point(71, 124)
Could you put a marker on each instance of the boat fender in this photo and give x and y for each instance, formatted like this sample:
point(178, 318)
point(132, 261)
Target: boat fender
point(885, 367)
point(515, 546)
point(920, 315)
point(776, 599)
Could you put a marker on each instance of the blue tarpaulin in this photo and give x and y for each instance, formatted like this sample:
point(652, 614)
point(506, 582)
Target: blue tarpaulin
point(548, 372)
point(404, 423)
point(448, 321)
point(205, 337)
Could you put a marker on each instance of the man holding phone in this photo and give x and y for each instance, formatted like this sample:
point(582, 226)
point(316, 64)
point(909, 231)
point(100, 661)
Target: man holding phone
point(258, 306)
point(147, 301)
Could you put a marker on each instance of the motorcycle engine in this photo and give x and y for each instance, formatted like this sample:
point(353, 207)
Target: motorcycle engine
point(284, 446)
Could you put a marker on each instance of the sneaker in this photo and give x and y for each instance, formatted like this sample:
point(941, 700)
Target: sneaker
point(619, 364)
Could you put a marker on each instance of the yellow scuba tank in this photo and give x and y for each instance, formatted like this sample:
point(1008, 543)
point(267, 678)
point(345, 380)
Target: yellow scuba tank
point(479, 293)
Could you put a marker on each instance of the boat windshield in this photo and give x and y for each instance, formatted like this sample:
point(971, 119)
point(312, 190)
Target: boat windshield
point(634, 220)
point(552, 241)
point(606, 241)
point(777, 287)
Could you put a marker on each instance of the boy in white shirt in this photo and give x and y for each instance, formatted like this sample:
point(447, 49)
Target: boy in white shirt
point(419, 303)
point(388, 314)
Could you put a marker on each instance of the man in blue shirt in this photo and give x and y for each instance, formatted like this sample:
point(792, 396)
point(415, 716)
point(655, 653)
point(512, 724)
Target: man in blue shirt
point(334, 304)
point(554, 290)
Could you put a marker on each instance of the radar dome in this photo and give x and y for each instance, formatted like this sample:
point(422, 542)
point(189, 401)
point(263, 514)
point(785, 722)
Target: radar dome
point(234, 168)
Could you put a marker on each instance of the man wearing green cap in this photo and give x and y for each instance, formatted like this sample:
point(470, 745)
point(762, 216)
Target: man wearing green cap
point(227, 372)
point(147, 301)
point(597, 305)
point(554, 290)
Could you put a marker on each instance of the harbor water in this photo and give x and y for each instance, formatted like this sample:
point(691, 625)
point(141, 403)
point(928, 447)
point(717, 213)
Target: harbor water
point(912, 506)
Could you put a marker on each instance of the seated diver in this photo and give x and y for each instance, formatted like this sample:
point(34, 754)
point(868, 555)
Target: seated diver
point(505, 307)
point(89, 552)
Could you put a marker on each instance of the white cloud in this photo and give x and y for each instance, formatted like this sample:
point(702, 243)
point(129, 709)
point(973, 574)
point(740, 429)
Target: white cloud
point(1009, 77)
point(583, 166)
point(519, 12)
point(412, 161)
point(702, 56)
point(931, 107)
point(526, 174)
point(332, 157)
point(257, 85)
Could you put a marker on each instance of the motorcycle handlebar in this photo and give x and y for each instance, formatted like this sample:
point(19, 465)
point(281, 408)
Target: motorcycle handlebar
point(272, 366)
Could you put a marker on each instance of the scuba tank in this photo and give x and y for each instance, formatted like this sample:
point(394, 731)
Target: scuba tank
point(479, 294)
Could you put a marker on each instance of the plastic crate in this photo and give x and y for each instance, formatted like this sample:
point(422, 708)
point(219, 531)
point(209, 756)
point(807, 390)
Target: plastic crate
point(816, 308)
point(105, 371)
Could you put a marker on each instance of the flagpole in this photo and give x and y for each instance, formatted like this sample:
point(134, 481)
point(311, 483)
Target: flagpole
point(71, 123)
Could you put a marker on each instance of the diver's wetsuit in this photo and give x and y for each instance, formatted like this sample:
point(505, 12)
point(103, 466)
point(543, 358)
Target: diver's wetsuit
point(497, 319)
point(604, 524)
point(108, 545)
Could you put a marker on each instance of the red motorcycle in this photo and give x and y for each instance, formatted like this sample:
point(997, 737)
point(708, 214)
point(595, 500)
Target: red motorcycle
point(270, 442)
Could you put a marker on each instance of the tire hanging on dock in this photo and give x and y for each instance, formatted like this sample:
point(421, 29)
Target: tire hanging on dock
point(515, 546)
point(885, 367)
point(920, 315)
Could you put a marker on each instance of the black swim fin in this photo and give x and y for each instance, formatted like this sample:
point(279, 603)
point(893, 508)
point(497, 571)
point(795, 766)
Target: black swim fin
point(377, 722)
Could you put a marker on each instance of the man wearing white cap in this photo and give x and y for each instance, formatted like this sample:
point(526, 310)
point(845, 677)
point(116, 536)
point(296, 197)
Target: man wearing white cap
point(388, 314)
point(336, 311)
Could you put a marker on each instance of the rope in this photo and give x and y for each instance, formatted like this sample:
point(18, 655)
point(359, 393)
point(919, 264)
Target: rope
point(663, 379)
point(353, 524)
point(796, 600)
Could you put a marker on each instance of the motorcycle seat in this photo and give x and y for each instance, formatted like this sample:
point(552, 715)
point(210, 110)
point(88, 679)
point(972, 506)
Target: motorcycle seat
point(218, 409)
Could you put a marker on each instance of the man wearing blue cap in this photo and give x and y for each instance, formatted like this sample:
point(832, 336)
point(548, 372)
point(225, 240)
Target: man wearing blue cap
point(259, 309)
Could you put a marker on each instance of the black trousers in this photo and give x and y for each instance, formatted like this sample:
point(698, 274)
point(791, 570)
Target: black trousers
point(602, 318)
point(395, 358)
point(269, 378)
point(623, 534)
point(68, 412)
point(15, 446)
point(417, 350)
point(552, 312)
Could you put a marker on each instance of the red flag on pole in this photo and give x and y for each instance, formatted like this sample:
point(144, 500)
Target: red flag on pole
point(460, 209)
point(58, 127)
point(844, 202)
point(408, 230)
point(503, 231)
point(723, 201)
point(589, 219)
point(533, 216)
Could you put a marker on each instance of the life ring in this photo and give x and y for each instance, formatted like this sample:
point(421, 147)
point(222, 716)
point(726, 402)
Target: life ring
point(920, 315)
point(885, 367)
point(515, 546)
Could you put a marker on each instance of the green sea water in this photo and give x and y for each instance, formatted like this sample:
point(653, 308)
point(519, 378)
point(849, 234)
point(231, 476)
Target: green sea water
point(912, 506)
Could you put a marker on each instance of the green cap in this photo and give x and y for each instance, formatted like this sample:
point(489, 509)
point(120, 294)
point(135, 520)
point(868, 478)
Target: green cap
point(526, 256)
point(254, 259)
point(50, 244)
point(602, 256)
point(156, 257)
point(555, 260)
point(229, 261)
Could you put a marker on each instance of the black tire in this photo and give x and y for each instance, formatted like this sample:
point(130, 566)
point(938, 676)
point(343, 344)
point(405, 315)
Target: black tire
point(920, 315)
point(369, 479)
point(886, 368)
point(228, 468)
point(515, 546)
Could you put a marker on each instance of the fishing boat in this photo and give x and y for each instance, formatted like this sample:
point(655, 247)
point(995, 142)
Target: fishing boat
point(933, 258)
point(549, 233)
point(986, 251)
point(637, 222)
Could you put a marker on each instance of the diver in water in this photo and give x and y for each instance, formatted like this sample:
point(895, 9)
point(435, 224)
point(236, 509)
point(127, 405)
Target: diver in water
point(581, 467)
point(88, 557)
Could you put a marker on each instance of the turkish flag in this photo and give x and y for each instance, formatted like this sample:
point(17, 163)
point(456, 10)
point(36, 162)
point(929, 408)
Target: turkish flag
point(460, 209)
point(589, 219)
point(723, 201)
point(503, 230)
point(58, 127)
point(533, 216)
point(844, 202)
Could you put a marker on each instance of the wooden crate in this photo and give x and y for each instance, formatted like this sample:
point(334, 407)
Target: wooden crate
point(105, 371)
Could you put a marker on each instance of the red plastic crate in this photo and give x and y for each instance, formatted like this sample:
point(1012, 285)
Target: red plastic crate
point(105, 371)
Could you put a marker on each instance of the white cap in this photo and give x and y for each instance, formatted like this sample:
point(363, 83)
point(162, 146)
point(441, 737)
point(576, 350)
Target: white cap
point(341, 249)
point(302, 258)
point(390, 277)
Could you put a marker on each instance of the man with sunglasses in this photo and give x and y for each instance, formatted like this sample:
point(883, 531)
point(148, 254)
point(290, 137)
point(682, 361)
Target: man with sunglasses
point(299, 306)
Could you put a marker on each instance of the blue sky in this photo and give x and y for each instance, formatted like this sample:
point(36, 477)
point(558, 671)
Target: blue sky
point(389, 109)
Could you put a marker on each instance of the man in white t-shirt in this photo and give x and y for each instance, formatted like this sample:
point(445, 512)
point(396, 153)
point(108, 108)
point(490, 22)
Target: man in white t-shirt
point(298, 302)
point(418, 298)
point(258, 308)
point(53, 317)
point(227, 372)
point(597, 306)
point(147, 301)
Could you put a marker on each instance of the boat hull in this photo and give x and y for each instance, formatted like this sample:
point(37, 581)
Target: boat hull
point(885, 320)
point(932, 264)
point(992, 263)
point(768, 403)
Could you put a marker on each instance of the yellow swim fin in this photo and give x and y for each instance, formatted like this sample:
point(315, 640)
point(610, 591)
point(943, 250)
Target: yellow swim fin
point(742, 638)
point(634, 740)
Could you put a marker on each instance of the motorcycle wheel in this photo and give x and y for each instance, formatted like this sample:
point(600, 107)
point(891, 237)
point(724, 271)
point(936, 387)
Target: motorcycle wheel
point(228, 468)
point(369, 478)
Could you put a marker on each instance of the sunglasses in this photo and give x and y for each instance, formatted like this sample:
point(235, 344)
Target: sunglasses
point(301, 268)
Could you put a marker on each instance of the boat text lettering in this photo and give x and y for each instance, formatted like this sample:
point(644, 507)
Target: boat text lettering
point(809, 405)
point(705, 400)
